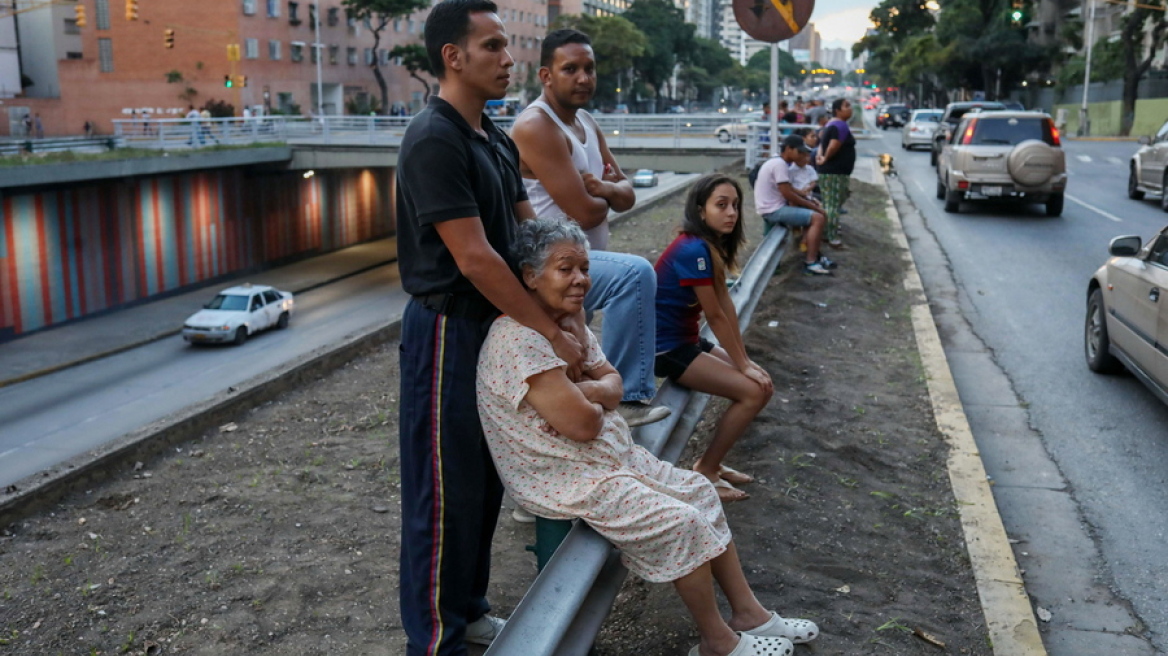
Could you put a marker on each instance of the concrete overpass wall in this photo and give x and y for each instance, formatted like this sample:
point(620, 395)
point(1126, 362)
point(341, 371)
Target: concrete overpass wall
point(71, 250)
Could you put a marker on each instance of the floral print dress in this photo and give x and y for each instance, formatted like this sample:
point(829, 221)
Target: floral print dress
point(666, 521)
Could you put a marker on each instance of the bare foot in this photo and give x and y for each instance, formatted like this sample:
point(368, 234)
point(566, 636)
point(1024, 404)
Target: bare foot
point(728, 493)
point(731, 475)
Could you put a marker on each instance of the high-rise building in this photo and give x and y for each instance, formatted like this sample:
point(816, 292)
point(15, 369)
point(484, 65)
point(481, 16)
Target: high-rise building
point(177, 54)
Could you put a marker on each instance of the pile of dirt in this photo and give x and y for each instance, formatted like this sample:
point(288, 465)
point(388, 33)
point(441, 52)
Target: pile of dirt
point(278, 533)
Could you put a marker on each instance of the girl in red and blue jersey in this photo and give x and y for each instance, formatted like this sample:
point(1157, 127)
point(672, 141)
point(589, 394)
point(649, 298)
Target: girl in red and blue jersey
point(691, 282)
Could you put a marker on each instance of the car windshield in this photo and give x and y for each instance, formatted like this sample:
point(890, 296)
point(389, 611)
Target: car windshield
point(228, 302)
point(927, 117)
point(1011, 131)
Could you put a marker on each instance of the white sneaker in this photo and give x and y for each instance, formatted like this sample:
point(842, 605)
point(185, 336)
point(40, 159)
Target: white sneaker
point(637, 413)
point(522, 516)
point(484, 630)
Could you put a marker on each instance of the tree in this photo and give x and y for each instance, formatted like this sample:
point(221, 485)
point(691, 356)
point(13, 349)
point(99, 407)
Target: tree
point(617, 44)
point(377, 15)
point(670, 41)
point(1139, 23)
point(709, 64)
point(414, 58)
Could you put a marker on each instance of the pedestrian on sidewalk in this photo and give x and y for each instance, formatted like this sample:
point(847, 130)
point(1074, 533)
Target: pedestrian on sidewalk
point(40, 127)
point(835, 162)
point(564, 453)
point(196, 130)
point(569, 172)
point(459, 198)
point(691, 283)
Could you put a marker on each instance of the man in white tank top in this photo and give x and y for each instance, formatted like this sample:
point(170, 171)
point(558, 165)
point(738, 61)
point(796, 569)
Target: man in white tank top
point(569, 172)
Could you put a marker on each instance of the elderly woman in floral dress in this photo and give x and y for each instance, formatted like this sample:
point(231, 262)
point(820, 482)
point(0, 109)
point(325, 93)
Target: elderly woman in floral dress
point(564, 453)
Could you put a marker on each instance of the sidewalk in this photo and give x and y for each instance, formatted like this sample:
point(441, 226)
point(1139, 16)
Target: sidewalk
point(53, 349)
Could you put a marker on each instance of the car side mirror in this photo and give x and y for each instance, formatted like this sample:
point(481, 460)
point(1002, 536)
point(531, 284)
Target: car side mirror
point(1145, 140)
point(1125, 246)
point(206, 306)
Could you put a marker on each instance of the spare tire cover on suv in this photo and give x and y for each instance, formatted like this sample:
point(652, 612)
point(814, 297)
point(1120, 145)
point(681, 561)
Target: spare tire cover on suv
point(1031, 163)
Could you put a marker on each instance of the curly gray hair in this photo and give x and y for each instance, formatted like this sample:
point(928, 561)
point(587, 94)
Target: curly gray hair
point(537, 236)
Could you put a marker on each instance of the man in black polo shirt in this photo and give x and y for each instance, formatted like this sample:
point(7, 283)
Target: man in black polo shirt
point(459, 197)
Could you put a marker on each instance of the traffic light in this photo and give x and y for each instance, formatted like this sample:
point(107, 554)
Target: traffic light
point(242, 80)
point(168, 37)
point(1016, 14)
point(79, 14)
point(228, 82)
point(131, 10)
point(232, 52)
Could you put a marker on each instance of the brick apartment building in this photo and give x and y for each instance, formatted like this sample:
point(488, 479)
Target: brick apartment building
point(117, 68)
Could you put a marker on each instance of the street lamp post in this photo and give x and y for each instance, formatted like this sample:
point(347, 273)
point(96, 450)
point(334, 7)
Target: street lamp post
point(319, 55)
point(1084, 118)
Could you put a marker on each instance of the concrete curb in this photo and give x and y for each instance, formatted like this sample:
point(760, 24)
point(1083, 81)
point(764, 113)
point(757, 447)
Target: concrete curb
point(1010, 621)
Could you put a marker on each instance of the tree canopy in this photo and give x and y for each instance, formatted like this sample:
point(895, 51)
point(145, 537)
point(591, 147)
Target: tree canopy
point(377, 15)
point(670, 41)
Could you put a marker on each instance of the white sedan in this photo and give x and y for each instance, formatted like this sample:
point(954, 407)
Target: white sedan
point(237, 313)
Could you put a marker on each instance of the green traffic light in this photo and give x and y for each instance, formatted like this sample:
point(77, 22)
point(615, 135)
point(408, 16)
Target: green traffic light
point(228, 82)
point(1017, 16)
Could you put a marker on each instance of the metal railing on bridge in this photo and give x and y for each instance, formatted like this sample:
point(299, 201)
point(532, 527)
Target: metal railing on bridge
point(620, 130)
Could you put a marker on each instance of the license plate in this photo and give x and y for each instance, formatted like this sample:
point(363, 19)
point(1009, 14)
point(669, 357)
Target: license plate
point(991, 191)
point(198, 338)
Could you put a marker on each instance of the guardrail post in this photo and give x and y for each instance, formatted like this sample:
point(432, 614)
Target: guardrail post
point(549, 533)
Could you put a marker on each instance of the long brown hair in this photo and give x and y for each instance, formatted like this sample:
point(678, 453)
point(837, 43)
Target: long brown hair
point(724, 247)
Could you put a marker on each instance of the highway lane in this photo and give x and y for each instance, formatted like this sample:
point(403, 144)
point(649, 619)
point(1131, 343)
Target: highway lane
point(1022, 278)
point(55, 417)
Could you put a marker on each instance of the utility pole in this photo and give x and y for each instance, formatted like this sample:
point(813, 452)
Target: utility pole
point(1084, 118)
point(319, 56)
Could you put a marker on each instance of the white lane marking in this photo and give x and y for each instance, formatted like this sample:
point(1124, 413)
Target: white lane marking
point(1084, 158)
point(1114, 160)
point(920, 186)
point(1089, 206)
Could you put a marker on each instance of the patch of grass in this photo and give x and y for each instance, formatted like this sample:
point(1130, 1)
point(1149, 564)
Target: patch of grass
point(894, 624)
point(68, 157)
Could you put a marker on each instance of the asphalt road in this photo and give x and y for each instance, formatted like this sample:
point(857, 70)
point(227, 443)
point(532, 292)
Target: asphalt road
point(55, 417)
point(1021, 278)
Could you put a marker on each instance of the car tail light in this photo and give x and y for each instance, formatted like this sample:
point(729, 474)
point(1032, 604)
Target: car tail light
point(963, 184)
point(1054, 135)
point(968, 136)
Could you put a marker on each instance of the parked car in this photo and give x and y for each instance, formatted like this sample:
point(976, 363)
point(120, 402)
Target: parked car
point(953, 113)
point(1126, 324)
point(892, 116)
point(736, 129)
point(1148, 173)
point(645, 178)
point(1003, 154)
point(920, 128)
point(238, 312)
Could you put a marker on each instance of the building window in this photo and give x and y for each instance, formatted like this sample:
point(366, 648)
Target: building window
point(274, 50)
point(312, 16)
point(333, 50)
point(249, 7)
point(105, 55)
point(102, 11)
point(73, 55)
point(334, 16)
point(293, 19)
point(273, 8)
point(351, 53)
point(369, 56)
point(284, 102)
point(411, 24)
point(315, 53)
point(251, 48)
point(352, 23)
point(397, 25)
point(296, 52)
point(383, 56)
point(71, 26)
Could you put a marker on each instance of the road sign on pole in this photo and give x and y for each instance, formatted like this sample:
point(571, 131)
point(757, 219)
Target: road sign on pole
point(773, 20)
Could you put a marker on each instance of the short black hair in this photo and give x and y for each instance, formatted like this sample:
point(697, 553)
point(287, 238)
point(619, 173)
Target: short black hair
point(449, 22)
point(558, 39)
point(837, 105)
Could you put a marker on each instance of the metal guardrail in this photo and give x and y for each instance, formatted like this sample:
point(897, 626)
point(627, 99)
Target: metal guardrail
point(562, 611)
point(620, 130)
point(56, 145)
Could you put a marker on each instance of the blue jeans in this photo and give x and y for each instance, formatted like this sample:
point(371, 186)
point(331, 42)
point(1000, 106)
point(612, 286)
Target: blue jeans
point(625, 287)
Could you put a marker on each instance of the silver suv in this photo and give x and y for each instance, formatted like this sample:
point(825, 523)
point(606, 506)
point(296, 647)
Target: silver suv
point(1003, 154)
point(1149, 168)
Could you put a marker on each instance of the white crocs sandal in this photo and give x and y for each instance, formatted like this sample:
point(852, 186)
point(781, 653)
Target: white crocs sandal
point(795, 630)
point(749, 645)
